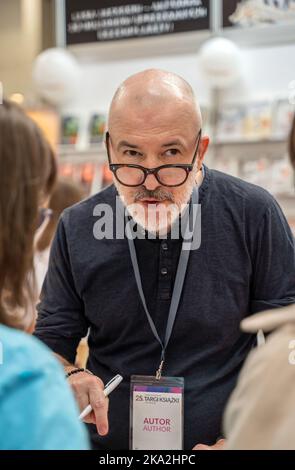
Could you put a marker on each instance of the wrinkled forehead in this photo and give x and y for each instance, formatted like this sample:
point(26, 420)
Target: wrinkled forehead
point(155, 118)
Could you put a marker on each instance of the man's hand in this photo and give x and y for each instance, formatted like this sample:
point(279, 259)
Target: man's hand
point(218, 446)
point(89, 389)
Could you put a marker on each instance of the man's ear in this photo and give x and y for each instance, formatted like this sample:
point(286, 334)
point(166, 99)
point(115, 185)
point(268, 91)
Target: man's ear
point(203, 147)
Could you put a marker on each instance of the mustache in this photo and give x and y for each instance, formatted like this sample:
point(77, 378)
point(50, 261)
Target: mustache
point(158, 194)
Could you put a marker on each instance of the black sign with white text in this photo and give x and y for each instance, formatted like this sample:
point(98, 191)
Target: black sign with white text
point(91, 21)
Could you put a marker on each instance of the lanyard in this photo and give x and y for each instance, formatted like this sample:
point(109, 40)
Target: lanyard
point(179, 279)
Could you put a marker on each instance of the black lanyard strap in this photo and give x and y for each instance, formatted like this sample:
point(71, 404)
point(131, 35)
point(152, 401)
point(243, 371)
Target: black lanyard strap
point(179, 279)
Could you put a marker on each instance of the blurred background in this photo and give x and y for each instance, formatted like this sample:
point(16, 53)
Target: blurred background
point(62, 60)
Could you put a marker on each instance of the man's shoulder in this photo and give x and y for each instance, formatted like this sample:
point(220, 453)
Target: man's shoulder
point(234, 188)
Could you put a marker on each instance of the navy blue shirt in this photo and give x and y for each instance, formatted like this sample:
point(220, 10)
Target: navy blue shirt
point(245, 264)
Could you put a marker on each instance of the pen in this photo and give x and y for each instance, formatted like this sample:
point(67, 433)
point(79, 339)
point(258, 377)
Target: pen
point(110, 386)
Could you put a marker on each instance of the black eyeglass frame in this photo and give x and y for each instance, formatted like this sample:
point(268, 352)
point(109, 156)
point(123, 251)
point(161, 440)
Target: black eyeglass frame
point(152, 171)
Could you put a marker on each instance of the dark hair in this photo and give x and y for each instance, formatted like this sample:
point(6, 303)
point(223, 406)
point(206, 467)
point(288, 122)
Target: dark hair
point(292, 143)
point(27, 175)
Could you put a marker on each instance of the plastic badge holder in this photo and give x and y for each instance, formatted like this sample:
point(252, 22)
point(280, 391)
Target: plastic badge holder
point(156, 413)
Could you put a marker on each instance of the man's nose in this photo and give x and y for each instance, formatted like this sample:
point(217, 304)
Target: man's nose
point(151, 182)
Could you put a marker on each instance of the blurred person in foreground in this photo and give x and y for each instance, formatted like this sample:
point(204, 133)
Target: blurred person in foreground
point(156, 152)
point(260, 414)
point(65, 193)
point(36, 405)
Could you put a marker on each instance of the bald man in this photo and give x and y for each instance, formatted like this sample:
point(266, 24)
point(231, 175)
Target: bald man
point(122, 289)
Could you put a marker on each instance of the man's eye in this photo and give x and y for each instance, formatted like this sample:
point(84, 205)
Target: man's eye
point(172, 152)
point(132, 153)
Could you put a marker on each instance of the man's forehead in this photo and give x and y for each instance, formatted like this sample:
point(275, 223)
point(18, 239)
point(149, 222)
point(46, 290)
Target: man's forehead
point(163, 132)
point(139, 141)
point(175, 119)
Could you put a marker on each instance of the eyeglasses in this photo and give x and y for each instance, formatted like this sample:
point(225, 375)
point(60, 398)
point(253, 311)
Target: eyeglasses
point(171, 175)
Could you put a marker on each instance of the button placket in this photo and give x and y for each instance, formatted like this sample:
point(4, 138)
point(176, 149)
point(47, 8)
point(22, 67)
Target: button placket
point(165, 271)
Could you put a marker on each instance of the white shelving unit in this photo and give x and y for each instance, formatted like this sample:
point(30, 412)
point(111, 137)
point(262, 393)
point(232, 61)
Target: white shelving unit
point(91, 154)
point(237, 151)
point(94, 154)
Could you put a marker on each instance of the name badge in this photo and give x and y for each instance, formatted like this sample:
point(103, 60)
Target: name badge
point(156, 413)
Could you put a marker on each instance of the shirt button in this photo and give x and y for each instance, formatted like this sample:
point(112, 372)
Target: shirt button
point(164, 271)
point(164, 246)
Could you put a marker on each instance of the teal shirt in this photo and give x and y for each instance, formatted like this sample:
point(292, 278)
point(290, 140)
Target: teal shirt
point(37, 408)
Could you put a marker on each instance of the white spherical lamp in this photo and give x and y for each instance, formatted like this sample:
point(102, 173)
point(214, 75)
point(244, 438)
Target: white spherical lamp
point(220, 60)
point(56, 76)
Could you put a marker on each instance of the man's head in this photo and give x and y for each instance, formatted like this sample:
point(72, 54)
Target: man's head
point(154, 120)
